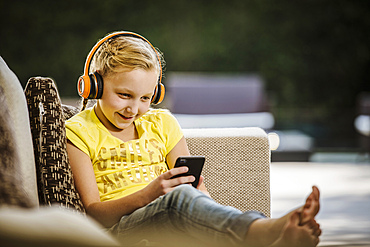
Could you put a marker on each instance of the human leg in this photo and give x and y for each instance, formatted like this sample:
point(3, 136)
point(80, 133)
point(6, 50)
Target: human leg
point(186, 215)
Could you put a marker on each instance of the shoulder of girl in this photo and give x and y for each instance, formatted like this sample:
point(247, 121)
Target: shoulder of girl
point(157, 115)
point(157, 112)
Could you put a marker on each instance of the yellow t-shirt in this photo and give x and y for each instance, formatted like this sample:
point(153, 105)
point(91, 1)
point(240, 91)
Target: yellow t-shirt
point(122, 168)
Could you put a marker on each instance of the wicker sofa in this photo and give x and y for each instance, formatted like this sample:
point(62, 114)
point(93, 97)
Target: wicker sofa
point(39, 205)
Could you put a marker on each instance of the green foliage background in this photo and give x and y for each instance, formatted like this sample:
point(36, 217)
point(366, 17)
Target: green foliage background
point(314, 55)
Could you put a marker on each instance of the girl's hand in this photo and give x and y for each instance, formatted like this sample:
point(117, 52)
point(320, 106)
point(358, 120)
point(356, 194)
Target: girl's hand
point(165, 183)
point(202, 187)
point(201, 179)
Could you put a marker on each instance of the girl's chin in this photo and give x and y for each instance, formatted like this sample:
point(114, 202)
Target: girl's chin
point(124, 124)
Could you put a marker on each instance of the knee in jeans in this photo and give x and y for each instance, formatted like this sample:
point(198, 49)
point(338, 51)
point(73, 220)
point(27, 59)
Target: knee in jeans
point(186, 189)
point(181, 190)
point(182, 193)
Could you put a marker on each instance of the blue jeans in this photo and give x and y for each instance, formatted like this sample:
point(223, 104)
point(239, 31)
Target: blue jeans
point(185, 216)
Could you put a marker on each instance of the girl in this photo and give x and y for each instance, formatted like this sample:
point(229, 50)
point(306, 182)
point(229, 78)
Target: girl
point(122, 155)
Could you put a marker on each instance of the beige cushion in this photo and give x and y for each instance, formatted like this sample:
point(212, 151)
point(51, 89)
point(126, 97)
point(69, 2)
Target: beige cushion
point(11, 189)
point(237, 167)
point(16, 102)
point(50, 226)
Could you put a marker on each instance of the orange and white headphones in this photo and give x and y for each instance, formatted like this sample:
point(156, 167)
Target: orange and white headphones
point(90, 85)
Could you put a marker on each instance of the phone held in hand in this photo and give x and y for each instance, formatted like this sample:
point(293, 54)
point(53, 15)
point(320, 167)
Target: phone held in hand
point(195, 165)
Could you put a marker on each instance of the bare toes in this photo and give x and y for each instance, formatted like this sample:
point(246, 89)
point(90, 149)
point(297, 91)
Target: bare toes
point(311, 207)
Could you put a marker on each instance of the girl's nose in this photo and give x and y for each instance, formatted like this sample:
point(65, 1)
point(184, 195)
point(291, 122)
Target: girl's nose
point(132, 107)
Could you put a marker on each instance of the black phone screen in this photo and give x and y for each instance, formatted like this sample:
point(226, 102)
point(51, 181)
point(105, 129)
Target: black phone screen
point(195, 165)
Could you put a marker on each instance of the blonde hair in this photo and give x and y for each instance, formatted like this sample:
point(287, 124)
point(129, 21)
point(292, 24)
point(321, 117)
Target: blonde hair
point(126, 52)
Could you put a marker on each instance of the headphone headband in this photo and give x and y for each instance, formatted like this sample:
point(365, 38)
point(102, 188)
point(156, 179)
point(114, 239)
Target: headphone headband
point(114, 35)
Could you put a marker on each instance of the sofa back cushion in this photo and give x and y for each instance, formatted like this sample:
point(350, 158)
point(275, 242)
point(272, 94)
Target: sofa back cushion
point(11, 189)
point(13, 97)
point(54, 176)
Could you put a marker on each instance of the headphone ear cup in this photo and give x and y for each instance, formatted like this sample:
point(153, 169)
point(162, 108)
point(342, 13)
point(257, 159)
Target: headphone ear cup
point(90, 86)
point(158, 95)
point(83, 86)
point(100, 85)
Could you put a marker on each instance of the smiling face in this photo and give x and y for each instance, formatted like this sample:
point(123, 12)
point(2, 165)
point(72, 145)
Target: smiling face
point(126, 97)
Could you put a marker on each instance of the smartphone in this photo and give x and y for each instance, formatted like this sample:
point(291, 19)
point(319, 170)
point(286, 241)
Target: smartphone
point(195, 165)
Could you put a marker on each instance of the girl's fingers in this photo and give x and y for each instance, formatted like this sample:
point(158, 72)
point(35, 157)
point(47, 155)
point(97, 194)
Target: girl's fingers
point(171, 181)
point(175, 171)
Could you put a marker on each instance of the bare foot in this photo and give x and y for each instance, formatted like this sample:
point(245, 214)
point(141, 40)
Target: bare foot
point(312, 206)
point(293, 234)
point(297, 228)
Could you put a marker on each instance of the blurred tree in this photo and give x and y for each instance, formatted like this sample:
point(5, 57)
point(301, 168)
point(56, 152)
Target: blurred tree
point(313, 54)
